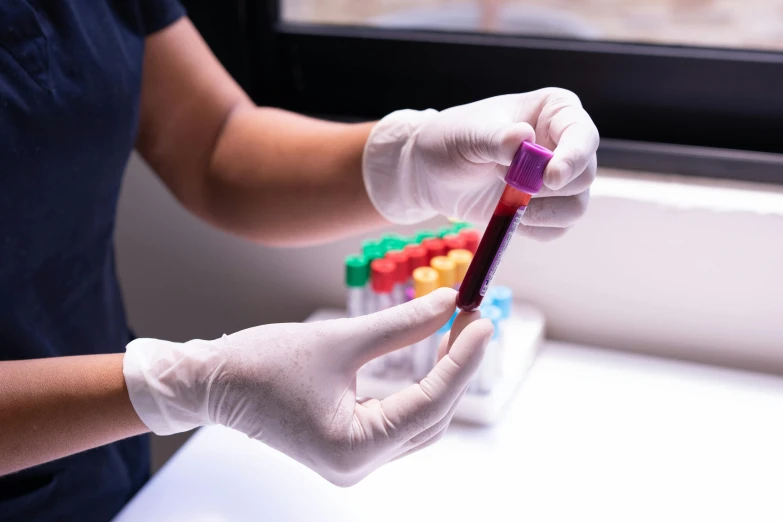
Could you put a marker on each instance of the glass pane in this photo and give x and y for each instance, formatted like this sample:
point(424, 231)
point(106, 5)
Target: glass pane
point(747, 24)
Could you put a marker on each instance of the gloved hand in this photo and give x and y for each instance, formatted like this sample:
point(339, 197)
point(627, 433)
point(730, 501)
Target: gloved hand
point(418, 164)
point(293, 386)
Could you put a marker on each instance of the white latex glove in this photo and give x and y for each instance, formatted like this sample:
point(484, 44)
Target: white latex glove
point(418, 164)
point(293, 386)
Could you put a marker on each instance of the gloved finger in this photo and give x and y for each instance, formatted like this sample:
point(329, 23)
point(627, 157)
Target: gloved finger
point(578, 185)
point(461, 322)
point(419, 406)
point(377, 334)
point(495, 144)
point(543, 234)
point(426, 444)
point(443, 347)
point(439, 426)
point(557, 211)
point(431, 435)
point(577, 142)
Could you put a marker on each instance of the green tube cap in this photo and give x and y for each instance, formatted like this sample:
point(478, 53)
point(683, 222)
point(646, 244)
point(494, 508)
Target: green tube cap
point(369, 245)
point(424, 234)
point(371, 253)
point(392, 242)
point(357, 271)
point(445, 231)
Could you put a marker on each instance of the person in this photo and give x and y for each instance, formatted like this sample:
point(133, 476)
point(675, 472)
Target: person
point(84, 83)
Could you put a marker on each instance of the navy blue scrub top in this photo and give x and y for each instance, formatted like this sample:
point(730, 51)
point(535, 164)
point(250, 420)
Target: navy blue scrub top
point(70, 83)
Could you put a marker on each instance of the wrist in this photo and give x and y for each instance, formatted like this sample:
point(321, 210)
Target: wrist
point(390, 178)
point(168, 383)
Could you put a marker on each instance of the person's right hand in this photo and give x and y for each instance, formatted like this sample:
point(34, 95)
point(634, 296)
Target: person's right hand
point(293, 386)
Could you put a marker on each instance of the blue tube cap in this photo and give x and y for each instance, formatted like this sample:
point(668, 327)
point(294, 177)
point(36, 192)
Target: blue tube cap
point(502, 297)
point(494, 314)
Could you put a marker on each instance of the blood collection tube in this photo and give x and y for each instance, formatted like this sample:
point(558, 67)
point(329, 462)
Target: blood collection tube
point(372, 250)
point(382, 276)
point(524, 178)
point(454, 242)
point(425, 281)
point(462, 259)
point(471, 238)
point(402, 274)
point(435, 247)
point(357, 272)
point(417, 257)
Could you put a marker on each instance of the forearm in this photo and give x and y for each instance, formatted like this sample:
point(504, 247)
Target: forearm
point(281, 178)
point(54, 407)
point(265, 174)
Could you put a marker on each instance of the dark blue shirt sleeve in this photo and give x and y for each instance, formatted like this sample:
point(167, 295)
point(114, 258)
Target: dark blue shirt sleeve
point(159, 14)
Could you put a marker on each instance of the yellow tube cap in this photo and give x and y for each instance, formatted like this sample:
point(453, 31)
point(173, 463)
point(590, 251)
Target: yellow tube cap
point(461, 259)
point(447, 271)
point(425, 280)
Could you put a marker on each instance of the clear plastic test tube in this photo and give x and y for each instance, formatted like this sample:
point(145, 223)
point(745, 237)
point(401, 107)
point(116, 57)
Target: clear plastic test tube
point(503, 298)
point(382, 277)
point(402, 274)
point(425, 281)
point(524, 178)
point(487, 375)
point(357, 272)
point(446, 269)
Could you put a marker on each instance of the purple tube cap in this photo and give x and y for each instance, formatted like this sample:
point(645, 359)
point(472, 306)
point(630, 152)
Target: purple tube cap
point(526, 172)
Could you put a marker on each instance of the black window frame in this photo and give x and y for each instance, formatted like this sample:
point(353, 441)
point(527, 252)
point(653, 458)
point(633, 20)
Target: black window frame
point(667, 109)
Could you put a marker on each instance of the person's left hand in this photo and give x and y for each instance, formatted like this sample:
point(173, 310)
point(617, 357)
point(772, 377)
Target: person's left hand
point(293, 386)
point(418, 164)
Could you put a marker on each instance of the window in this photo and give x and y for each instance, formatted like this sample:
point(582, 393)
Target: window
point(691, 87)
point(752, 24)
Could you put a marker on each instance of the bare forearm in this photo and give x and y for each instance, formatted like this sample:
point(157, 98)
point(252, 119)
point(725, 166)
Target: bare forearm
point(50, 408)
point(265, 174)
point(282, 178)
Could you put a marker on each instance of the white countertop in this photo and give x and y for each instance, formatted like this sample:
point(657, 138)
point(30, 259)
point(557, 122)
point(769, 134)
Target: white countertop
point(592, 435)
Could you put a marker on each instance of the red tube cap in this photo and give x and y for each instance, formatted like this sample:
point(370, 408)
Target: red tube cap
point(400, 260)
point(435, 247)
point(454, 242)
point(471, 238)
point(383, 273)
point(417, 257)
